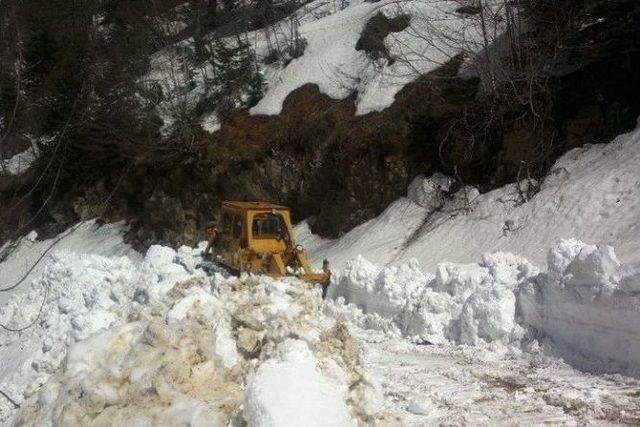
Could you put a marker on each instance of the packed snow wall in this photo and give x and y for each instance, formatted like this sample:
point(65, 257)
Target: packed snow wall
point(588, 304)
point(585, 309)
point(472, 304)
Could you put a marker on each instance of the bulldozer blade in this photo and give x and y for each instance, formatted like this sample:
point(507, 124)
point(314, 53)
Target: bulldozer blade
point(211, 268)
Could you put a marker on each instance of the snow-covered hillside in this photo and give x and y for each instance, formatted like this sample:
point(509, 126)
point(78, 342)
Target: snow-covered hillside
point(436, 32)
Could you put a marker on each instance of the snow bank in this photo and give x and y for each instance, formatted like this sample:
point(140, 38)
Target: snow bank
point(18, 257)
point(589, 306)
point(586, 308)
point(75, 297)
point(466, 304)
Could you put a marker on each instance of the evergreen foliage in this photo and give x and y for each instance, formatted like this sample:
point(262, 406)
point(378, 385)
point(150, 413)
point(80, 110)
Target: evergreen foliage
point(236, 76)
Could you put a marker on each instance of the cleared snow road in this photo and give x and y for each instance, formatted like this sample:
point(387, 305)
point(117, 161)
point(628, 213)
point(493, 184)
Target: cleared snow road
point(434, 385)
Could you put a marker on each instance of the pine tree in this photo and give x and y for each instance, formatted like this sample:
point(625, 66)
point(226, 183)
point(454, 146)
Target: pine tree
point(236, 75)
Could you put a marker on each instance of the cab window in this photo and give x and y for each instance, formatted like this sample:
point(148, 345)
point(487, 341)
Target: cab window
point(237, 226)
point(267, 226)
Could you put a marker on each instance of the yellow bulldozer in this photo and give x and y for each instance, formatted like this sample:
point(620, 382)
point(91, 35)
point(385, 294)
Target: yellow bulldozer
point(257, 237)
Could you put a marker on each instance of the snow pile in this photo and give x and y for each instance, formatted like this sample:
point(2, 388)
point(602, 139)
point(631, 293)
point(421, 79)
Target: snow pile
point(467, 304)
point(586, 308)
point(429, 192)
point(128, 342)
point(138, 374)
point(589, 306)
point(74, 297)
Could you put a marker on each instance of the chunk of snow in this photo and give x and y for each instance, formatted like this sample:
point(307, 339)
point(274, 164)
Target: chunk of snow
point(488, 316)
point(289, 390)
point(420, 407)
point(19, 163)
point(226, 345)
point(429, 192)
point(196, 304)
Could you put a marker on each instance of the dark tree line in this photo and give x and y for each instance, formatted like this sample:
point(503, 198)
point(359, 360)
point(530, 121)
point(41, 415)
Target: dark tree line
point(72, 81)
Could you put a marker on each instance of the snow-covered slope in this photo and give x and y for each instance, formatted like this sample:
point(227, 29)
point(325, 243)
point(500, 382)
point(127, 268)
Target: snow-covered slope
point(592, 193)
point(435, 34)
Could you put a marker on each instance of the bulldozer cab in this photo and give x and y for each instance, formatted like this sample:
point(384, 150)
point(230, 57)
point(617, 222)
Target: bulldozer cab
point(260, 226)
point(258, 237)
